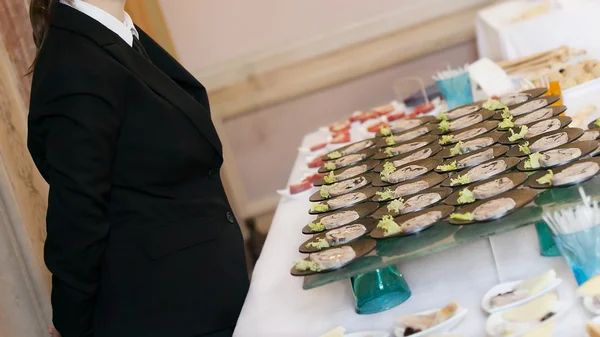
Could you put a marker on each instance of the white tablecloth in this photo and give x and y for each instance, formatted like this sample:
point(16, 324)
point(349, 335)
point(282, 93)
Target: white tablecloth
point(498, 38)
point(277, 306)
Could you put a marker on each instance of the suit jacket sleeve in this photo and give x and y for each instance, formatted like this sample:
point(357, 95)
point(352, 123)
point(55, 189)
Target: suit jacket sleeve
point(80, 132)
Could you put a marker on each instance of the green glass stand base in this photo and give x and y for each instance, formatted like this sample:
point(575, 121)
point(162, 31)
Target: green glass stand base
point(547, 245)
point(379, 290)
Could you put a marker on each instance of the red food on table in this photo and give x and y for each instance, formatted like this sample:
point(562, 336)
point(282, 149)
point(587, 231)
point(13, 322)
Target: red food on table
point(423, 108)
point(383, 109)
point(396, 116)
point(364, 116)
point(339, 126)
point(318, 146)
point(312, 178)
point(339, 138)
point(301, 187)
point(376, 127)
point(317, 162)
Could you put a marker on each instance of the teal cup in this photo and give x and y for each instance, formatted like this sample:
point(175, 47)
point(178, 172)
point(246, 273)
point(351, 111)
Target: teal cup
point(379, 290)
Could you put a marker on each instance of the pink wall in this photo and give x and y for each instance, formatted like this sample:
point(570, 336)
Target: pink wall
point(208, 32)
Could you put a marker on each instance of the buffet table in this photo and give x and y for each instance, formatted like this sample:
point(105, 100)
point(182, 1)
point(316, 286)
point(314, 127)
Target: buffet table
point(498, 38)
point(277, 305)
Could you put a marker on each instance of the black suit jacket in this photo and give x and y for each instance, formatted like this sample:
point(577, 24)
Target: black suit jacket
point(141, 238)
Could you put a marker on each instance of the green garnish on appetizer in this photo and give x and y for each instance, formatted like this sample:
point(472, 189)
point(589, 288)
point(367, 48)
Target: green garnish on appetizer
point(457, 149)
point(390, 140)
point(324, 191)
point(388, 225)
point(386, 194)
point(524, 148)
point(465, 217)
point(334, 155)
point(388, 152)
point(460, 180)
point(516, 136)
point(320, 243)
point(492, 104)
point(395, 205)
point(444, 126)
point(385, 130)
point(506, 123)
point(319, 208)
point(465, 196)
point(316, 227)
point(534, 161)
point(447, 167)
point(330, 178)
point(442, 117)
point(388, 168)
point(546, 179)
point(445, 139)
point(506, 114)
point(330, 166)
point(597, 122)
point(304, 265)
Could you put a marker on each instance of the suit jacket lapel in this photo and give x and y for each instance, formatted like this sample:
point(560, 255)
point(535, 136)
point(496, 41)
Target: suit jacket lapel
point(68, 18)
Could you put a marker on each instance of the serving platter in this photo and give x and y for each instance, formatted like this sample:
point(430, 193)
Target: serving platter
point(426, 140)
point(431, 179)
point(586, 147)
point(532, 181)
point(517, 178)
point(564, 122)
point(498, 151)
point(316, 197)
point(347, 149)
point(494, 136)
point(361, 247)
point(378, 233)
point(516, 110)
point(363, 210)
point(443, 192)
point(365, 155)
point(521, 197)
point(434, 148)
point(484, 115)
point(423, 120)
point(508, 287)
point(429, 164)
point(406, 136)
point(469, 133)
point(369, 166)
point(368, 193)
point(509, 162)
point(369, 224)
point(572, 133)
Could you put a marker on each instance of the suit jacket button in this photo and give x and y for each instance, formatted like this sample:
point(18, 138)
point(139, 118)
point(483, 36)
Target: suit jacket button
point(213, 174)
point(230, 217)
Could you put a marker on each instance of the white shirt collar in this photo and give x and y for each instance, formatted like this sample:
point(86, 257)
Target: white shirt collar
point(126, 29)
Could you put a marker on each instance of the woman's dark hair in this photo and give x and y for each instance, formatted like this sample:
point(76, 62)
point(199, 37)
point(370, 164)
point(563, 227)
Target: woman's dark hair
point(40, 13)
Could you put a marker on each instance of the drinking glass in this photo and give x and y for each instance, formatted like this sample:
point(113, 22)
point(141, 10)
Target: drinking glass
point(547, 244)
point(456, 90)
point(379, 290)
point(581, 250)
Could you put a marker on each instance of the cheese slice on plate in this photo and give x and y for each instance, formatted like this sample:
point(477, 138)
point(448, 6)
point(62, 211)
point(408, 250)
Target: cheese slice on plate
point(544, 330)
point(593, 329)
point(534, 310)
point(590, 288)
point(537, 284)
point(337, 332)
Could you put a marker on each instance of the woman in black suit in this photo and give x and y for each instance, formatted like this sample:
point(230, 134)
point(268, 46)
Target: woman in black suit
point(141, 239)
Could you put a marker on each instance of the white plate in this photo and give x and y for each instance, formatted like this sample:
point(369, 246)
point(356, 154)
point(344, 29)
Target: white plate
point(588, 304)
point(368, 334)
point(496, 320)
point(302, 195)
point(508, 286)
point(445, 326)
